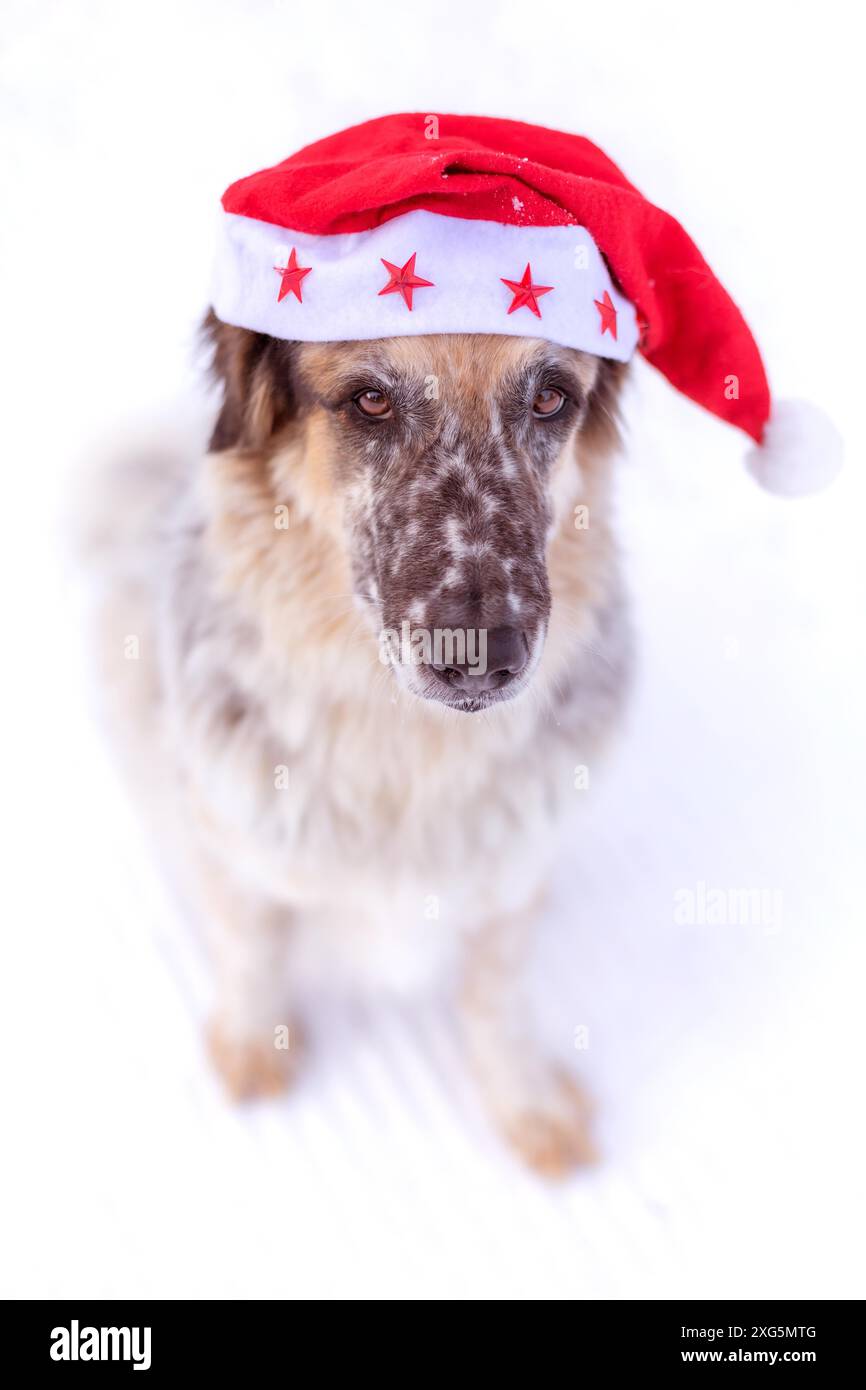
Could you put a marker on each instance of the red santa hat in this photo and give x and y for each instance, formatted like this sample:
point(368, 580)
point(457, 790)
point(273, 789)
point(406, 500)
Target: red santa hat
point(466, 224)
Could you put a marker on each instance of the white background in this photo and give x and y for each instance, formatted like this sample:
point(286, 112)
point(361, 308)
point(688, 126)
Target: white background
point(727, 1063)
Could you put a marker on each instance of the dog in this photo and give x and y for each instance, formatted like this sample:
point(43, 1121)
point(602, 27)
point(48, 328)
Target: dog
point(390, 823)
point(354, 650)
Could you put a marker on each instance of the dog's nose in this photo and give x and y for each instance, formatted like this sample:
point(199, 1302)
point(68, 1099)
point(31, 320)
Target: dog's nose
point(500, 654)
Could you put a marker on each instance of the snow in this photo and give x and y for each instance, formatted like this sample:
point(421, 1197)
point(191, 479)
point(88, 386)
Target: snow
point(726, 1060)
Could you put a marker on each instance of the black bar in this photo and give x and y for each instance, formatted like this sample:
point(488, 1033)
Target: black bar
point(164, 1338)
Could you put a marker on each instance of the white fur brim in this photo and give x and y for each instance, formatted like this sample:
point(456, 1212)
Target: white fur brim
point(464, 258)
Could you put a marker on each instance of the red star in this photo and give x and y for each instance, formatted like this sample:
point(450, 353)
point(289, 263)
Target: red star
point(292, 275)
point(403, 279)
point(608, 314)
point(526, 295)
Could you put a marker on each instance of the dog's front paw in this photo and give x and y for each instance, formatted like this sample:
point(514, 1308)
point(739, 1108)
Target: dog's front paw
point(253, 1067)
point(546, 1119)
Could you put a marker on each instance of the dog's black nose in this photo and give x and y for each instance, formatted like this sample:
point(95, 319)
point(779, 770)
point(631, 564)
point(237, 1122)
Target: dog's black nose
point(498, 655)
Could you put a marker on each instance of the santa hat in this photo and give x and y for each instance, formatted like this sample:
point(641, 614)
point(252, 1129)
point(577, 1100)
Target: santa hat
point(466, 224)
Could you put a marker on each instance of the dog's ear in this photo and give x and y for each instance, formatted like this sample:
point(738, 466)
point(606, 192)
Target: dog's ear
point(600, 431)
point(255, 372)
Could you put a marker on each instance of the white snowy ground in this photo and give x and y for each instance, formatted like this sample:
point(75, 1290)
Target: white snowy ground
point(727, 1061)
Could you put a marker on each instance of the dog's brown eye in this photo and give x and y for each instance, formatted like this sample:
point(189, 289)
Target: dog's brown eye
point(375, 404)
point(548, 402)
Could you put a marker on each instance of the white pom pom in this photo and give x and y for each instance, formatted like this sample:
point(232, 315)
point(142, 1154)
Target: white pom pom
point(801, 452)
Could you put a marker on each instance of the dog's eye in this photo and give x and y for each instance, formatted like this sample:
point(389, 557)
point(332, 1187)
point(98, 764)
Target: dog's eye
point(547, 403)
point(374, 404)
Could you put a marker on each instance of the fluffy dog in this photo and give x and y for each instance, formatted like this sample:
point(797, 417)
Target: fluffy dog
point(382, 820)
point(381, 621)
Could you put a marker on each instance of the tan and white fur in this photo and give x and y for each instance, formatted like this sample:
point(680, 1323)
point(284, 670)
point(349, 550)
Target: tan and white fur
point(333, 815)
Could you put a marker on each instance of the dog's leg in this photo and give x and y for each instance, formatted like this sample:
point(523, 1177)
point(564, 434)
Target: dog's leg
point(254, 1046)
point(537, 1104)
